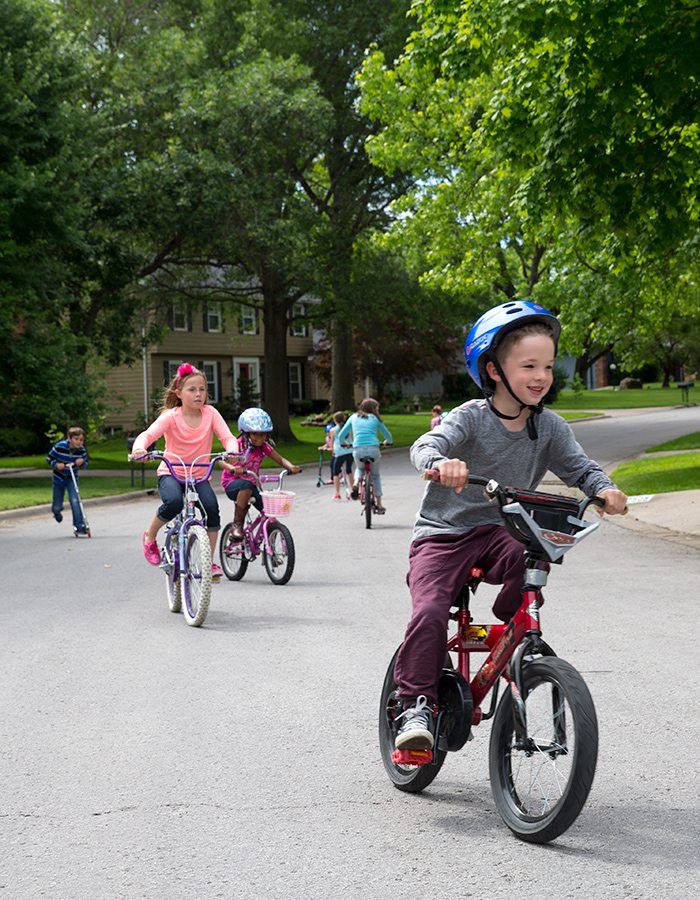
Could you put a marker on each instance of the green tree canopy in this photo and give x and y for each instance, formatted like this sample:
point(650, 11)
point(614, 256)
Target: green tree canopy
point(556, 148)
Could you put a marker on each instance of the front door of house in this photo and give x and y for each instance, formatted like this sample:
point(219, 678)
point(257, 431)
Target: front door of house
point(246, 381)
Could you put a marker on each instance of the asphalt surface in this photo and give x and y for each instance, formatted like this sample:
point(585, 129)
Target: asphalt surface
point(141, 758)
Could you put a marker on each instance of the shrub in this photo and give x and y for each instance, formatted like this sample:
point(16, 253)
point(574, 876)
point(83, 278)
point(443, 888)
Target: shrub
point(558, 385)
point(308, 407)
point(459, 386)
point(21, 442)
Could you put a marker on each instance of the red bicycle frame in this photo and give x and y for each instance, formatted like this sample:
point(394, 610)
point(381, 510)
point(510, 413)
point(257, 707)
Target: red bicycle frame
point(500, 642)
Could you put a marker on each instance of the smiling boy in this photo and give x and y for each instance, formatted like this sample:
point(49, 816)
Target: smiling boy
point(507, 436)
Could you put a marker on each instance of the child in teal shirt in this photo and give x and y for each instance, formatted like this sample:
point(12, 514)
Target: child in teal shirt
point(366, 426)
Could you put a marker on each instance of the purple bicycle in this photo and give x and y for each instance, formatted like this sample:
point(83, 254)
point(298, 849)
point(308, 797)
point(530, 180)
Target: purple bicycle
point(262, 534)
point(186, 552)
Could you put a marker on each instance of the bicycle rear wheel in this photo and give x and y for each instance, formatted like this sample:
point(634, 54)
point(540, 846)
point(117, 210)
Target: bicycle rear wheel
point(279, 562)
point(196, 579)
point(368, 499)
point(411, 779)
point(232, 554)
point(539, 789)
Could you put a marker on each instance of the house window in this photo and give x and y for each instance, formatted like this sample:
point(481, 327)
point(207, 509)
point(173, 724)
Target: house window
point(295, 384)
point(211, 373)
point(298, 328)
point(170, 367)
point(212, 319)
point(179, 316)
point(249, 320)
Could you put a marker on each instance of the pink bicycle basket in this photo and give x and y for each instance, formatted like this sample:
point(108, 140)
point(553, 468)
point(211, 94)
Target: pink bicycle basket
point(278, 503)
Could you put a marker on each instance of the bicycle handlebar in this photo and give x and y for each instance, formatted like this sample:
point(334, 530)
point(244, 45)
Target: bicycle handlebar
point(547, 523)
point(504, 495)
point(189, 467)
point(267, 479)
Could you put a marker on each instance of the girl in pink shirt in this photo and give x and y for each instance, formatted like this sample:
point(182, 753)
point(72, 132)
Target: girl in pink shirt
point(255, 426)
point(188, 424)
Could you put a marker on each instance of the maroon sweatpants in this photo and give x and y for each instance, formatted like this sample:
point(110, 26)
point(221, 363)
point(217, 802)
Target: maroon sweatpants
point(438, 567)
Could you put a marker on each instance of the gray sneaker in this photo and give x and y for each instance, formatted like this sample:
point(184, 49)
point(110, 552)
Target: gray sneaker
point(416, 731)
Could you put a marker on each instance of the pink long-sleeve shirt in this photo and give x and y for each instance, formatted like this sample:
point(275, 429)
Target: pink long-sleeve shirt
point(185, 441)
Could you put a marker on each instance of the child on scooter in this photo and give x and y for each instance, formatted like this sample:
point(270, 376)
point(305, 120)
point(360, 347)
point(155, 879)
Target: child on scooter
point(64, 453)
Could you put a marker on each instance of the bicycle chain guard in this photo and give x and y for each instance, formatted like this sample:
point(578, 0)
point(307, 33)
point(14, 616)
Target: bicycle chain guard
point(456, 710)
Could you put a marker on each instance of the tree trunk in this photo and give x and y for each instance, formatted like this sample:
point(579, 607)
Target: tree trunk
point(582, 366)
point(276, 377)
point(342, 369)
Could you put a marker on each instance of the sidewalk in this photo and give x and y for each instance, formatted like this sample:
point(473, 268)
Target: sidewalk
point(674, 516)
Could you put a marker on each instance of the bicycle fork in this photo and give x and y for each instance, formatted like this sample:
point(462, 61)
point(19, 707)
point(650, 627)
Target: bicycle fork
point(535, 579)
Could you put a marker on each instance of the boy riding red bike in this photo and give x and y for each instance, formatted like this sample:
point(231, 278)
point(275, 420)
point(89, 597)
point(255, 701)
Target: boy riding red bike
point(509, 436)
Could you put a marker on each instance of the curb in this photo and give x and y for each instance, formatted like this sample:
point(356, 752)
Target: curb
point(628, 523)
point(45, 508)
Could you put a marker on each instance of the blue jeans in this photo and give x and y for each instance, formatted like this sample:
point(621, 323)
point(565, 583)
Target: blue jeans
point(359, 453)
point(171, 493)
point(60, 486)
point(233, 488)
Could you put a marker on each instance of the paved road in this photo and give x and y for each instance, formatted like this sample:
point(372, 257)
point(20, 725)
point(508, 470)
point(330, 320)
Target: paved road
point(625, 433)
point(145, 759)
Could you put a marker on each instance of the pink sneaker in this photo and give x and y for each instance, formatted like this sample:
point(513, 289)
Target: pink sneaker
point(216, 571)
point(150, 550)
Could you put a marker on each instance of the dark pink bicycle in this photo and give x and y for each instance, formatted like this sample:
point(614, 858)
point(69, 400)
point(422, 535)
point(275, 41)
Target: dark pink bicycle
point(263, 534)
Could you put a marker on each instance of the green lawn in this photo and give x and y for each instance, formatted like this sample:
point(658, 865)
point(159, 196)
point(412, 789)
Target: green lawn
point(110, 452)
point(18, 493)
point(640, 476)
point(687, 442)
point(653, 395)
point(660, 474)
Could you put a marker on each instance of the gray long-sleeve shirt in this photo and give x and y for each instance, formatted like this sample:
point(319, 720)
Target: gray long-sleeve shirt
point(473, 433)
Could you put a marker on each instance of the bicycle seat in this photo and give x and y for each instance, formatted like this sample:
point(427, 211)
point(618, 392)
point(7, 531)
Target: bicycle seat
point(367, 459)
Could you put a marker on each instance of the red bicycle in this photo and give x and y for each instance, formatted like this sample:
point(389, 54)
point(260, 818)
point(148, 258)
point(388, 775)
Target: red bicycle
point(544, 737)
point(366, 490)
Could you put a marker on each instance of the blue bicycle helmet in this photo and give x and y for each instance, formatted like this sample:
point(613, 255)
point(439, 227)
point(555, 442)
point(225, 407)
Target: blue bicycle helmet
point(254, 419)
point(489, 330)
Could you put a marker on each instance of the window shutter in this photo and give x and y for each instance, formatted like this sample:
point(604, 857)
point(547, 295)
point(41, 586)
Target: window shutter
point(205, 321)
point(166, 373)
point(218, 380)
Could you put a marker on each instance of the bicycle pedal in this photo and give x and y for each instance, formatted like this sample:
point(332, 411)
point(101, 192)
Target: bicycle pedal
point(412, 757)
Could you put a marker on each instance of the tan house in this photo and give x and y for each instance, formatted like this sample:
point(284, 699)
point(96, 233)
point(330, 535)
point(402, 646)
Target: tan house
point(230, 353)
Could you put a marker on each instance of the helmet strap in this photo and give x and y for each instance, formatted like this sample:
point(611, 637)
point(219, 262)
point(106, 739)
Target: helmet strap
point(535, 410)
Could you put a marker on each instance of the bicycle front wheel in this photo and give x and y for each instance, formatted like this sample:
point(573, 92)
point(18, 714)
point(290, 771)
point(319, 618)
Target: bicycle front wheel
point(540, 787)
point(232, 553)
point(279, 562)
point(173, 588)
point(411, 779)
point(196, 579)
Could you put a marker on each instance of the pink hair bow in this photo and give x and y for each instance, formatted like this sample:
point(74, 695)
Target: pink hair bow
point(185, 369)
